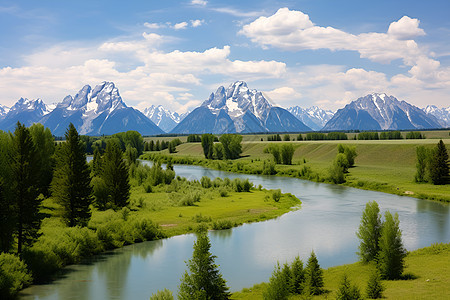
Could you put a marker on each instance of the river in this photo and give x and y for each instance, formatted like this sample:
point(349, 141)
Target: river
point(326, 223)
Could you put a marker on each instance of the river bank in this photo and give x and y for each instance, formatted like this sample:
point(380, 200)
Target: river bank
point(426, 277)
point(387, 166)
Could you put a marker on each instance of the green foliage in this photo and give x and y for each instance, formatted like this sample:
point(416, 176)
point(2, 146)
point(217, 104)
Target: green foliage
point(208, 145)
point(299, 137)
point(45, 147)
point(423, 164)
point(100, 191)
point(368, 136)
point(439, 166)
point(274, 138)
point(275, 151)
point(203, 280)
point(96, 163)
point(206, 182)
point(71, 181)
point(392, 253)
point(374, 288)
point(315, 136)
point(313, 276)
point(297, 276)
point(130, 138)
point(337, 136)
point(131, 155)
point(269, 168)
point(286, 138)
point(194, 138)
point(162, 295)
point(287, 152)
point(346, 291)
point(240, 185)
point(276, 195)
point(223, 224)
point(232, 147)
point(391, 135)
point(278, 287)
point(115, 174)
point(369, 232)
point(218, 152)
point(13, 275)
point(349, 152)
point(25, 187)
point(416, 135)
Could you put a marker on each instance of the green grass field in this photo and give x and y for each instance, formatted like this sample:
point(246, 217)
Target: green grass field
point(382, 165)
point(427, 270)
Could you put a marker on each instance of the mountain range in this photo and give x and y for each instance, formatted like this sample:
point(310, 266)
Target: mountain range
point(96, 111)
point(238, 109)
point(380, 112)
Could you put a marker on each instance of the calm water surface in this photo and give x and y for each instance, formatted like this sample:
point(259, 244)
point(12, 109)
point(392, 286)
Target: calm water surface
point(327, 223)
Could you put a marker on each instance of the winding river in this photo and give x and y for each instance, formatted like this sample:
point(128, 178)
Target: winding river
point(326, 222)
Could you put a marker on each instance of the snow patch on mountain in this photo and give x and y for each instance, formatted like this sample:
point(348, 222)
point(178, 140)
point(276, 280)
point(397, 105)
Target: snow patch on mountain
point(163, 117)
point(314, 117)
point(442, 114)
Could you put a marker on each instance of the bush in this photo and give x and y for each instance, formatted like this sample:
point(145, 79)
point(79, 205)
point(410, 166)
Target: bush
point(13, 275)
point(276, 195)
point(374, 286)
point(162, 295)
point(206, 182)
point(223, 224)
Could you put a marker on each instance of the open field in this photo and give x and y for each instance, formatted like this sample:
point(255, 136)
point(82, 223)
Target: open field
point(427, 270)
point(381, 165)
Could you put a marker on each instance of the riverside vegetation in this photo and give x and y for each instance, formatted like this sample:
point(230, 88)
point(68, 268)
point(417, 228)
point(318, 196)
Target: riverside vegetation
point(387, 165)
point(56, 209)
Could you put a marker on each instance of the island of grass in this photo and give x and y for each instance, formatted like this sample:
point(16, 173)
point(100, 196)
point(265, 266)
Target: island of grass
point(381, 165)
point(426, 276)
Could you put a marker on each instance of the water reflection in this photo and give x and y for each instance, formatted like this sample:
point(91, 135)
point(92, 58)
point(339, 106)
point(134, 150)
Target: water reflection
point(326, 222)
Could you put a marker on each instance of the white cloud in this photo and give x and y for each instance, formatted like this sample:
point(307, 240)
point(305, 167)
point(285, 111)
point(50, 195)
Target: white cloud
point(199, 2)
point(197, 23)
point(236, 12)
point(405, 29)
point(154, 25)
point(181, 25)
point(294, 31)
point(283, 94)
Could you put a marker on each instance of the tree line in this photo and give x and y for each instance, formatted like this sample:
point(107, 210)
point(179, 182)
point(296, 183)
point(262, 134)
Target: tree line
point(228, 146)
point(432, 164)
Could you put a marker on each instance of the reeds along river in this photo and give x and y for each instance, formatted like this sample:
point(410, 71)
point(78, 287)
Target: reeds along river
point(326, 223)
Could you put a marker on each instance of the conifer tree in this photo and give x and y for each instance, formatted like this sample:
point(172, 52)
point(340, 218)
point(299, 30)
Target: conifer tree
point(346, 291)
point(71, 185)
point(96, 163)
point(392, 253)
point(374, 288)
point(297, 276)
point(115, 173)
point(7, 224)
point(369, 232)
point(439, 169)
point(25, 183)
point(314, 276)
point(203, 281)
point(278, 287)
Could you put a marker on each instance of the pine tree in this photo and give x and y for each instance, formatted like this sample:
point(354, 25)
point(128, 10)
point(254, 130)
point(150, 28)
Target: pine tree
point(71, 185)
point(278, 287)
point(314, 276)
point(7, 225)
point(203, 281)
point(297, 276)
point(116, 175)
point(369, 232)
point(25, 183)
point(439, 169)
point(374, 288)
point(392, 253)
point(346, 291)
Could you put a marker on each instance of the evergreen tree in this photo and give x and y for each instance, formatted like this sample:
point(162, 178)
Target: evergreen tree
point(297, 276)
point(115, 174)
point(45, 147)
point(374, 286)
point(7, 220)
point(369, 232)
point(203, 281)
point(314, 276)
point(25, 184)
point(392, 253)
point(439, 168)
point(162, 295)
point(151, 146)
point(278, 288)
point(96, 163)
point(423, 164)
point(346, 291)
point(71, 185)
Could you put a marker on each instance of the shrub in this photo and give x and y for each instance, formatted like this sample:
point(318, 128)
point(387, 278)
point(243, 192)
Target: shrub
point(162, 295)
point(13, 275)
point(223, 224)
point(374, 286)
point(276, 195)
point(206, 182)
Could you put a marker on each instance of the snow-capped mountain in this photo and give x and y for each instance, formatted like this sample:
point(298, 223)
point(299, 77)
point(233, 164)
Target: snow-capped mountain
point(26, 111)
point(380, 112)
point(98, 111)
point(3, 111)
point(164, 118)
point(238, 109)
point(442, 114)
point(313, 117)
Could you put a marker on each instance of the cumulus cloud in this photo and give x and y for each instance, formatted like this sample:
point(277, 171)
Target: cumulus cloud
point(283, 94)
point(196, 23)
point(294, 31)
point(405, 29)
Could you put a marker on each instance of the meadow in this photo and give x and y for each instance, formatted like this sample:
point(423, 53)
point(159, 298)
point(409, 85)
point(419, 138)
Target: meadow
point(426, 276)
point(381, 165)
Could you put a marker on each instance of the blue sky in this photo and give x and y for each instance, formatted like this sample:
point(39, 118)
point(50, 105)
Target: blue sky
point(175, 53)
